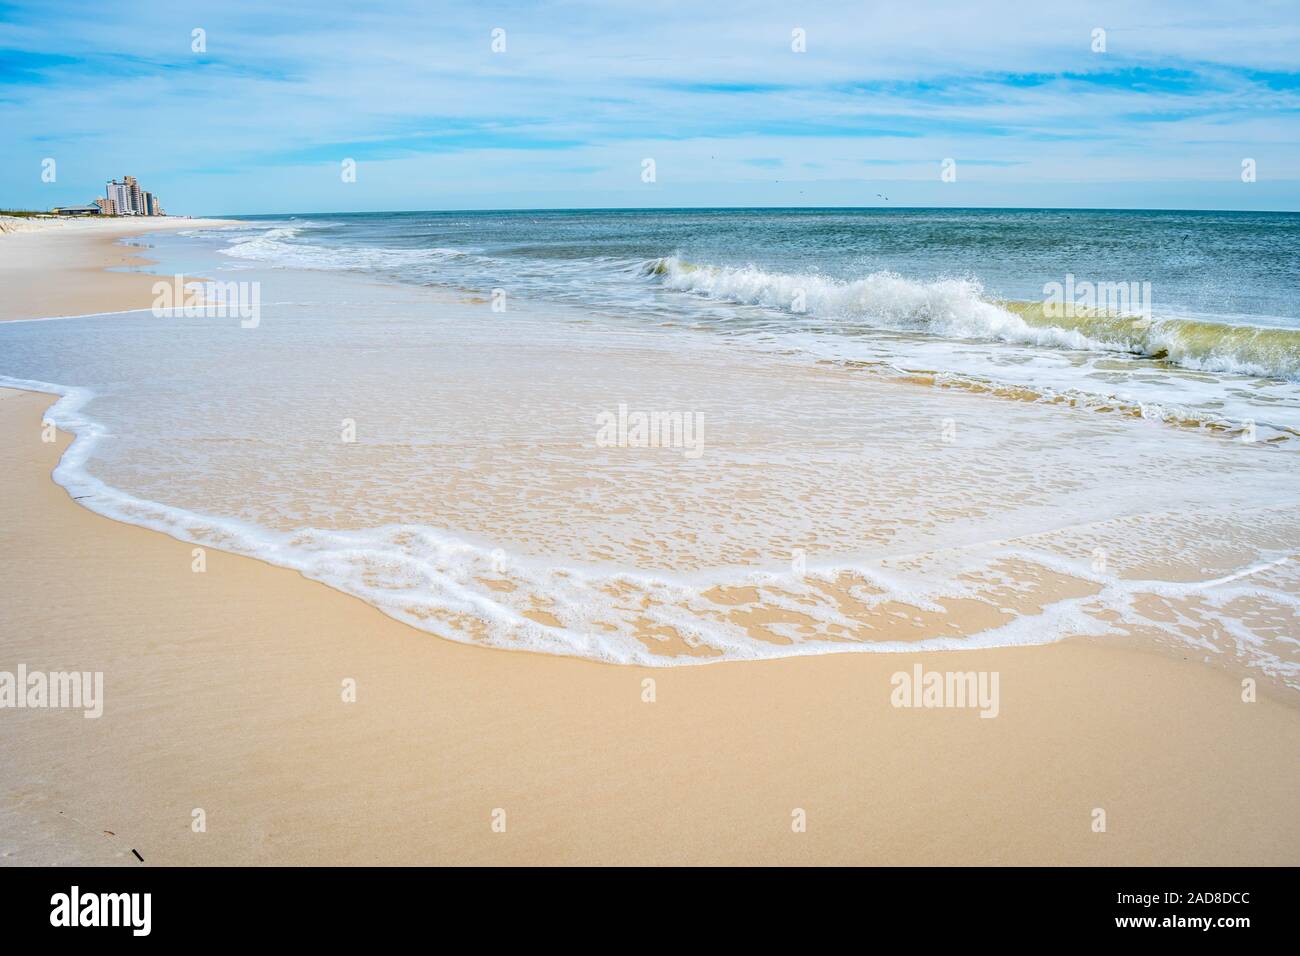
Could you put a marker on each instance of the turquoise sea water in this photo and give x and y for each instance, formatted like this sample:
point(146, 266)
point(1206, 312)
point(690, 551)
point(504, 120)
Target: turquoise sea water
point(1215, 293)
point(1243, 266)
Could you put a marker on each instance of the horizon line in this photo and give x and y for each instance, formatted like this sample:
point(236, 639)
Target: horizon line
point(772, 208)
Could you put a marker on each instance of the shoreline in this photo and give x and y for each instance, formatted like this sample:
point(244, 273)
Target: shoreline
point(124, 503)
point(85, 285)
point(223, 694)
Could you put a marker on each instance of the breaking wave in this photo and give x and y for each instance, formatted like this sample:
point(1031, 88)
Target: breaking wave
point(959, 309)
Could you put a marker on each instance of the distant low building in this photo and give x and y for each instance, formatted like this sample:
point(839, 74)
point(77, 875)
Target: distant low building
point(76, 210)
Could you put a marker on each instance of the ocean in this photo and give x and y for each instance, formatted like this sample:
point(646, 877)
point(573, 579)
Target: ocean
point(892, 286)
point(681, 436)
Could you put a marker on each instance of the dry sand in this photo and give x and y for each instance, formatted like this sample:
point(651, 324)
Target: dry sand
point(85, 248)
point(223, 692)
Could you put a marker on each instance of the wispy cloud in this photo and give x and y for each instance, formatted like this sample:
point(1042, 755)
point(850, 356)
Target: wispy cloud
point(261, 119)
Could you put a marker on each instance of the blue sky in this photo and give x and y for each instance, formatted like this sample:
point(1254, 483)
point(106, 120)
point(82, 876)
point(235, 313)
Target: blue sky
point(713, 93)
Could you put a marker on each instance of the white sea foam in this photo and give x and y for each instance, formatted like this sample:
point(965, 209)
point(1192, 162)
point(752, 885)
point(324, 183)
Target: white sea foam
point(958, 309)
point(434, 580)
point(951, 309)
point(478, 507)
point(280, 246)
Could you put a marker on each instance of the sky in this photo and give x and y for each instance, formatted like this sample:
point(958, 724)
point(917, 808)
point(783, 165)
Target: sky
point(566, 105)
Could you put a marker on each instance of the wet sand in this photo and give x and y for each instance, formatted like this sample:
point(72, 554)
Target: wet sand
point(224, 692)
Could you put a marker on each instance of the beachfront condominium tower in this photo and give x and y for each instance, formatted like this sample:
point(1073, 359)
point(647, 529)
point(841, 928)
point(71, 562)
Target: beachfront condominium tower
point(120, 195)
point(137, 197)
point(130, 198)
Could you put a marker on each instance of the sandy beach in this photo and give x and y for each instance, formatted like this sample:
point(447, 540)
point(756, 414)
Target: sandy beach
point(90, 248)
point(224, 692)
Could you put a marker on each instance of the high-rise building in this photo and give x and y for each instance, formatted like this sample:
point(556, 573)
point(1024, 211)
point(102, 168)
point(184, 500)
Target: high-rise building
point(120, 195)
point(137, 197)
point(107, 207)
point(130, 200)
